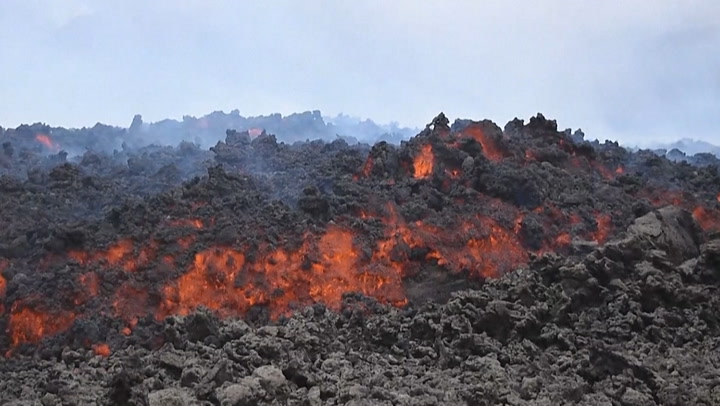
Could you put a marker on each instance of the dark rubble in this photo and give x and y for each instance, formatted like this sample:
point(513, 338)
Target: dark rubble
point(632, 323)
point(526, 266)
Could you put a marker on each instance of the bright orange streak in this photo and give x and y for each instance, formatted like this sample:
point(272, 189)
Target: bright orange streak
point(194, 223)
point(45, 140)
point(3, 283)
point(367, 167)
point(424, 162)
point(604, 224)
point(490, 148)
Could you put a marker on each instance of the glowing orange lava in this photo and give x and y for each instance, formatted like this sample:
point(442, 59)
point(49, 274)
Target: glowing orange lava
point(194, 223)
point(708, 219)
point(620, 170)
point(3, 285)
point(102, 350)
point(367, 167)
point(424, 162)
point(255, 132)
point(479, 246)
point(91, 284)
point(490, 148)
point(320, 271)
point(28, 325)
point(209, 282)
point(120, 254)
point(604, 226)
point(46, 141)
point(454, 173)
point(563, 239)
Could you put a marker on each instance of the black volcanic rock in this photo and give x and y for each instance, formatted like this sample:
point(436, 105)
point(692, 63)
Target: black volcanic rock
point(467, 265)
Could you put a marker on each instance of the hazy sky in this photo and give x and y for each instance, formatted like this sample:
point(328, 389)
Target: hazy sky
point(633, 70)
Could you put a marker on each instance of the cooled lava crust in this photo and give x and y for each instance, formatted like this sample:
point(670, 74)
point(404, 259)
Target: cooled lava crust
point(468, 265)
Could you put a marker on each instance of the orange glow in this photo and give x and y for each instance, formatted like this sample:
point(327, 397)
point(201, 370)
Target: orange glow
point(620, 170)
point(478, 245)
point(255, 132)
point(3, 284)
point(454, 173)
point(91, 284)
point(367, 168)
point(46, 141)
point(131, 303)
point(186, 242)
point(424, 162)
point(27, 325)
point(660, 198)
point(563, 239)
point(102, 350)
point(126, 331)
point(221, 279)
point(193, 223)
point(604, 226)
point(718, 198)
point(605, 172)
point(209, 282)
point(708, 219)
point(118, 254)
point(490, 148)
point(484, 256)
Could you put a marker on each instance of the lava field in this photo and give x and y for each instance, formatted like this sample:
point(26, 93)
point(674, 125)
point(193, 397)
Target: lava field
point(469, 265)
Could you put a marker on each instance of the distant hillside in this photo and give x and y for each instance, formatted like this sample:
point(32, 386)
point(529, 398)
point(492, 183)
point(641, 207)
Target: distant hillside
point(690, 147)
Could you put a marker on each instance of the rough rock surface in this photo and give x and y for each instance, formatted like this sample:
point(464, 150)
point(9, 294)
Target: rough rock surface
point(632, 323)
point(516, 266)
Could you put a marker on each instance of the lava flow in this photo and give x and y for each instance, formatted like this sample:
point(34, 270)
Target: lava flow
point(47, 142)
point(424, 162)
point(311, 225)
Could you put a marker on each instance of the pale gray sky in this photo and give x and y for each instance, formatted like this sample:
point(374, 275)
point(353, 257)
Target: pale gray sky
point(637, 70)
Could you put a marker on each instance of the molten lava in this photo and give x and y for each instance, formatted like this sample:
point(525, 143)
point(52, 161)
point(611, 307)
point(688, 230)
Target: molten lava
point(604, 226)
point(368, 167)
point(223, 280)
point(102, 350)
point(121, 254)
point(490, 148)
point(3, 286)
point(708, 219)
point(27, 325)
point(193, 223)
point(46, 141)
point(424, 162)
